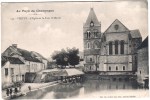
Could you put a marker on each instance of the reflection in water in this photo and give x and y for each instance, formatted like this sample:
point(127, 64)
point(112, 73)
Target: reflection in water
point(99, 85)
point(67, 91)
point(76, 89)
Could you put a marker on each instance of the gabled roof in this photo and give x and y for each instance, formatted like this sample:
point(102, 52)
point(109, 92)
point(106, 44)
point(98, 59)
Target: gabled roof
point(3, 61)
point(92, 17)
point(135, 33)
point(27, 55)
point(144, 44)
point(12, 60)
point(116, 26)
point(38, 55)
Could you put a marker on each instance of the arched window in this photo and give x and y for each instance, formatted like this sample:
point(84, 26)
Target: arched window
point(90, 67)
point(116, 47)
point(88, 45)
point(110, 48)
point(109, 68)
point(122, 47)
point(90, 59)
point(88, 34)
point(116, 67)
point(96, 44)
point(124, 68)
point(95, 33)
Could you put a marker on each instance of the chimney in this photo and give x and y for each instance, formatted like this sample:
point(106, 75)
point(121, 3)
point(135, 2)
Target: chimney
point(14, 45)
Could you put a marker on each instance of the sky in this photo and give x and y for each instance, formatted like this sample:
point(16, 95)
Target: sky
point(47, 35)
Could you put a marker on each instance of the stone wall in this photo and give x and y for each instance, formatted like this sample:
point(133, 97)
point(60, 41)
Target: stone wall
point(143, 66)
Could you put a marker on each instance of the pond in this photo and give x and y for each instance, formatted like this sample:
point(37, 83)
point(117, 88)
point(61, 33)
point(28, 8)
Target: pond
point(90, 89)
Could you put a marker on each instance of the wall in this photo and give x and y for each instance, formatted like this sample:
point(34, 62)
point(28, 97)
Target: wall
point(18, 73)
point(143, 67)
point(45, 63)
point(5, 79)
point(34, 66)
point(117, 36)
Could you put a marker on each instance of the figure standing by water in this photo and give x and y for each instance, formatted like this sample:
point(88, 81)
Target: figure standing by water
point(16, 90)
point(10, 91)
point(29, 87)
point(20, 88)
point(7, 92)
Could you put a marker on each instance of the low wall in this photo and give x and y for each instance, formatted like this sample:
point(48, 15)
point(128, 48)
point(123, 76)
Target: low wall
point(108, 77)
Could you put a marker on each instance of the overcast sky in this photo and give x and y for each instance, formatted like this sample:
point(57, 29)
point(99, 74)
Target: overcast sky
point(45, 36)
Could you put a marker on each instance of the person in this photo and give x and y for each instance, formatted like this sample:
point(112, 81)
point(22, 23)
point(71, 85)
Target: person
point(29, 87)
point(10, 91)
point(20, 88)
point(7, 92)
point(16, 90)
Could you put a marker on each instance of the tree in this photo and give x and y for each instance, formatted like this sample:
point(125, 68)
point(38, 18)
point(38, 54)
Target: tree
point(65, 57)
point(73, 56)
point(61, 57)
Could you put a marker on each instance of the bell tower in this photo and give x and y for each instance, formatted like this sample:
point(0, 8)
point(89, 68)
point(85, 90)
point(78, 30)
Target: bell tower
point(92, 42)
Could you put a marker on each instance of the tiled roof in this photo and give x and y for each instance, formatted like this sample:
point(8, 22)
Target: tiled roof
point(92, 17)
point(144, 43)
point(12, 60)
point(3, 61)
point(38, 55)
point(27, 55)
point(135, 33)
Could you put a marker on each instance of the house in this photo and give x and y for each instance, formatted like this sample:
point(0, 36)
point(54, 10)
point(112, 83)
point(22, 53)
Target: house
point(143, 66)
point(12, 70)
point(33, 63)
point(41, 58)
point(112, 51)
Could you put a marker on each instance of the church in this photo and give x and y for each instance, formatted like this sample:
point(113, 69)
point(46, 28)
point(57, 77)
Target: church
point(113, 51)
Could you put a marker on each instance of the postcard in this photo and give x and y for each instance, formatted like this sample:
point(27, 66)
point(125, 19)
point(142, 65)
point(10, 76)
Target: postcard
point(80, 49)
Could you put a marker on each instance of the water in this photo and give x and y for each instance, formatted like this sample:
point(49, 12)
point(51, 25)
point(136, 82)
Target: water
point(89, 88)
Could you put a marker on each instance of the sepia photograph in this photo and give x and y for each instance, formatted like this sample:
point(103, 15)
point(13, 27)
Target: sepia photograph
point(74, 49)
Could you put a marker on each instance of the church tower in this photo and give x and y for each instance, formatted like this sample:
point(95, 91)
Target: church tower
point(92, 42)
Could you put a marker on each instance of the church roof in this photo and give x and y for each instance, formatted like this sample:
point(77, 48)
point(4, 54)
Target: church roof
point(92, 17)
point(135, 33)
point(144, 43)
point(116, 26)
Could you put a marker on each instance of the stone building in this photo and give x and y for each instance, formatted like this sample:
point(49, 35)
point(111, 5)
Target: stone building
point(34, 61)
point(110, 51)
point(92, 41)
point(12, 70)
point(21, 63)
point(143, 66)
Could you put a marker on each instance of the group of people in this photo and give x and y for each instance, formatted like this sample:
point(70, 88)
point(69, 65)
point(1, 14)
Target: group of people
point(13, 90)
